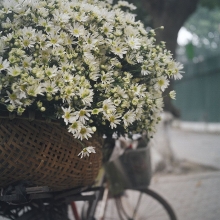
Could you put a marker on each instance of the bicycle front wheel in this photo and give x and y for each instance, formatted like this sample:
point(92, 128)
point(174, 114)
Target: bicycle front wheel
point(143, 205)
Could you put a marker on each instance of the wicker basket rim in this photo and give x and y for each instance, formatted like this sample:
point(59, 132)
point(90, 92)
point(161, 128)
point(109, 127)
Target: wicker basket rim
point(30, 116)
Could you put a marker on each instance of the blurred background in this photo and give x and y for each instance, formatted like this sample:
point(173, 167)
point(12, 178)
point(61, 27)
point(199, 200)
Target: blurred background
point(186, 148)
point(192, 34)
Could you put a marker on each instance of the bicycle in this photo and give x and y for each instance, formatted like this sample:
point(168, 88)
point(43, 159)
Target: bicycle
point(126, 193)
point(119, 189)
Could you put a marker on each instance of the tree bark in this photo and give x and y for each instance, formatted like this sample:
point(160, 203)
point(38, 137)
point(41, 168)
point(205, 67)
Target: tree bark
point(171, 14)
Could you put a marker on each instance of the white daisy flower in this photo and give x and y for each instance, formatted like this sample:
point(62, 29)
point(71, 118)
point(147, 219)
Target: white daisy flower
point(14, 71)
point(107, 28)
point(145, 70)
point(26, 63)
point(67, 115)
point(13, 99)
point(29, 32)
point(161, 83)
point(35, 90)
point(177, 70)
point(82, 115)
point(4, 64)
point(114, 120)
point(27, 42)
point(119, 49)
point(134, 42)
point(54, 40)
point(50, 87)
point(84, 133)
point(75, 125)
point(172, 94)
point(86, 95)
point(76, 30)
point(129, 117)
point(51, 71)
point(86, 151)
point(108, 106)
point(61, 17)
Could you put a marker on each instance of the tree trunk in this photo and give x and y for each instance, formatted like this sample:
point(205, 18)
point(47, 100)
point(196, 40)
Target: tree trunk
point(171, 14)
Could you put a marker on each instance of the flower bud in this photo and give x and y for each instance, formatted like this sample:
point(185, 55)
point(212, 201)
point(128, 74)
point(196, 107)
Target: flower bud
point(39, 104)
point(135, 101)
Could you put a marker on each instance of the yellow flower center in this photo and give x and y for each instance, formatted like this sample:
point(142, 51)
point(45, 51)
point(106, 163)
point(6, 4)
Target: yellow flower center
point(82, 113)
point(83, 131)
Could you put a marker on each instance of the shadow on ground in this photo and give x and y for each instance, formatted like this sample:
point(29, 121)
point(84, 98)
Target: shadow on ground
point(183, 167)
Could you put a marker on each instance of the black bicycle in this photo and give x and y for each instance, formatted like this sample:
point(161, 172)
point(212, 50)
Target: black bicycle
point(121, 193)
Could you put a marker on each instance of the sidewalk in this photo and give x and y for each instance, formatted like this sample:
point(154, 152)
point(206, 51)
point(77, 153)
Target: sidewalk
point(194, 195)
point(199, 147)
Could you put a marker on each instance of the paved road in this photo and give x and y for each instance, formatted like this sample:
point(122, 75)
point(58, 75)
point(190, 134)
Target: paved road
point(203, 148)
point(195, 195)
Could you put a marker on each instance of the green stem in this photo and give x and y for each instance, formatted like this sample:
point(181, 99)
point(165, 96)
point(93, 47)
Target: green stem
point(83, 146)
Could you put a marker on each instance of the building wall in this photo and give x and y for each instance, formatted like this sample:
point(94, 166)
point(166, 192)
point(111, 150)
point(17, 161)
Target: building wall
point(198, 92)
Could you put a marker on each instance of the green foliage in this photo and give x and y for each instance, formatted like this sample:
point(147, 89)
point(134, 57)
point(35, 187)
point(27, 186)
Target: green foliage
point(189, 50)
point(211, 4)
point(204, 24)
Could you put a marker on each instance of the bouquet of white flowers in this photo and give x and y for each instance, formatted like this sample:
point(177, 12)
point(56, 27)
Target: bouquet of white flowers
point(87, 63)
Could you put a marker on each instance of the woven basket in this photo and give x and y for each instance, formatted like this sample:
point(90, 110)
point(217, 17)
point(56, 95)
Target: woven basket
point(46, 155)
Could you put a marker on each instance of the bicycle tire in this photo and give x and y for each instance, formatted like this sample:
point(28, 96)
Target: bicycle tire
point(155, 207)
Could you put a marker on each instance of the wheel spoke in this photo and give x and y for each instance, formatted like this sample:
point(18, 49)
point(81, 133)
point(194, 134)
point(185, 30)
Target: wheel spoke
point(137, 205)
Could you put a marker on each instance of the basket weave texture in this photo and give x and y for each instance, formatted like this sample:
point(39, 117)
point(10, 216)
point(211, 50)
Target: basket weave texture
point(46, 155)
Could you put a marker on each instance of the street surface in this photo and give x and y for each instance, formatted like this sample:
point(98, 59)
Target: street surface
point(194, 195)
point(202, 148)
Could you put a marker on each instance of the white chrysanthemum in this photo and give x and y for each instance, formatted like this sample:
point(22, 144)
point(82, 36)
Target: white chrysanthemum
point(177, 70)
point(82, 115)
point(14, 71)
point(84, 133)
point(107, 28)
point(145, 70)
point(61, 17)
point(50, 87)
point(114, 119)
point(28, 32)
point(161, 83)
point(172, 94)
point(13, 99)
point(129, 117)
point(139, 58)
point(136, 89)
point(108, 106)
point(75, 126)
point(26, 63)
point(119, 49)
point(3, 64)
point(54, 40)
point(76, 30)
point(67, 115)
point(86, 95)
point(86, 151)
